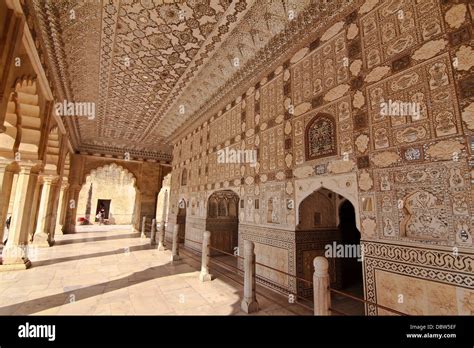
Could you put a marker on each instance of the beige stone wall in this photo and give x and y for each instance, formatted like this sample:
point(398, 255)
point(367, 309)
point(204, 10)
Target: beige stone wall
point(148, 179)
point(421, 297)
point(162, 204)
point(315, 118)
point(109, 182)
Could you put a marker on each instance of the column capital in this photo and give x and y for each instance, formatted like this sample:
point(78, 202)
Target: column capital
point(4, 163)
point(33, 166)
point(64, 185)
point(49, 178)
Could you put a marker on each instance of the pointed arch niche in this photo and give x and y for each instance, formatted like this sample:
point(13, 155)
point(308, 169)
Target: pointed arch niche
point(328, 215)
point(223, 220)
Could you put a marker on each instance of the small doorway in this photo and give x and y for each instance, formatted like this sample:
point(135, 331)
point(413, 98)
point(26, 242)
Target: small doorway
point(351, 268)
point(103, 204)
point(223, 221)
point(327, 225)
point(181, 221)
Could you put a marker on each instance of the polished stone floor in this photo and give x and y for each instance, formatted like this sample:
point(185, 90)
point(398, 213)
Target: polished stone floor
point(109, 270)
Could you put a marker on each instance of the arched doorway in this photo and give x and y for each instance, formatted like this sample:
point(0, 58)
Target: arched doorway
point(223, 220)
point(327, 227)
point(351, 267)
point(110, 188)
point(181, 220)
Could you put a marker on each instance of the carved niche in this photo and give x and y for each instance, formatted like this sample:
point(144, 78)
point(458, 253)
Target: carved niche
point(320, 137)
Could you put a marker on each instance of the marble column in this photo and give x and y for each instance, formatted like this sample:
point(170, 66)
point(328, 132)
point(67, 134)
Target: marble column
point(161, 232)
point(153, 232)
point(62, 206)
point(137, 212)
point(43, 236)
point(52, 216)
point(34, 211)
point(321, 293)
point(6, 182)
point(71, 209)
point(205, 276)
point(175, 246)
point(143, 235)
point(161, 236)
point(249, 303)
point(15, 253)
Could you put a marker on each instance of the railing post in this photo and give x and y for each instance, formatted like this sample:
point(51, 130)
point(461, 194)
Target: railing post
point(175, 247)
point(249, 302)
point(153, 232)
point(161, 236)
point(205, 276)
point(321, 293)
point(143, 235)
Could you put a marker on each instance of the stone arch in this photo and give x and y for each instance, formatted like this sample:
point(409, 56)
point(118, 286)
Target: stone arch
point(211, 192)
point(52, 150)
point(321, 137)
point(324, 217)
point(344, 185)
point(94, 168)
point(327, 227)
point(22, 121)
point(117, 195)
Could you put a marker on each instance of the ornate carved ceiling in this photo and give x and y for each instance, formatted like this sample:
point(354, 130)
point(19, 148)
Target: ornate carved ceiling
point(148, 66)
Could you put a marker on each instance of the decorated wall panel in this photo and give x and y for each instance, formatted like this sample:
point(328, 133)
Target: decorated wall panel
point(394, 81)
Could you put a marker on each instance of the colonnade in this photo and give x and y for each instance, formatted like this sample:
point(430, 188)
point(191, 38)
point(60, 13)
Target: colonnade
point(34, 147)
point(36, 203)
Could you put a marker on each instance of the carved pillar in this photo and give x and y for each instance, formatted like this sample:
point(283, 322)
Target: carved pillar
point(153, 232)
point(6, 182)
point(15, 253)
point(143, 235)
point(161, 233)
point(71, 209)
point(136, 212)
point(43, 234)
point(161, 236)
point(175, 246)
point(35, 209)
point(62, 205)
point(205, 276)
point(321, 293)
point(53, 211)
point(249, 303)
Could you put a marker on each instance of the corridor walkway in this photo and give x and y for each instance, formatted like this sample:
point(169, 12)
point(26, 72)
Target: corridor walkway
point(111, 271)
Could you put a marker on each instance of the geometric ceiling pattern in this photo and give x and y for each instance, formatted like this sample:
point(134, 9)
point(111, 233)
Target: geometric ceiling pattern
point(149, 67)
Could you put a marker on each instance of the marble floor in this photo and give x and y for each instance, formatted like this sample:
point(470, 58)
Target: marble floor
point(109, 270)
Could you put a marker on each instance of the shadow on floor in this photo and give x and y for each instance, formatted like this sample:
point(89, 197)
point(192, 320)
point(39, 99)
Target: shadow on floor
point(96, 239)
point(89, 256)
point(47, 302)
point(347, 305)
point(44, 303)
